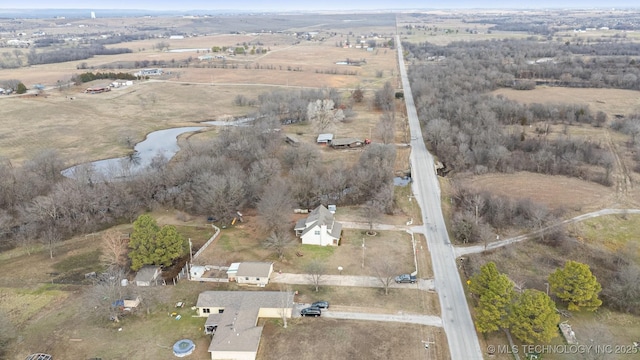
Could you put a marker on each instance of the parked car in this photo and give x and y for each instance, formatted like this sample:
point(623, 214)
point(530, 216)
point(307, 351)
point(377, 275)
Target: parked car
point(406, 278)
point(320, 304)
point(310, 311)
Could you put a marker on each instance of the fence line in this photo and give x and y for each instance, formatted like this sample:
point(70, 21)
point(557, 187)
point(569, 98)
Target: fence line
point(213, 237)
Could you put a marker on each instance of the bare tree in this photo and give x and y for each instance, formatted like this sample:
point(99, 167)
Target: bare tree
point(322, 114)
point(279, 240)
point(275, 205)
point(385, 272)
point(286, 303)
point(372, 212)
point(46, 211)
point(386, 128)
point(106, 292)
point(316, 270)
point(114, 249)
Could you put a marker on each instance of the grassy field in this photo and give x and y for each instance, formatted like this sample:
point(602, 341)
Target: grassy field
point(324, 338)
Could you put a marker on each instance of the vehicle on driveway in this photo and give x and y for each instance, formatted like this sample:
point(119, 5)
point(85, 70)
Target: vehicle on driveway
point(320, 304)
point(310, 311)
point(406, 278)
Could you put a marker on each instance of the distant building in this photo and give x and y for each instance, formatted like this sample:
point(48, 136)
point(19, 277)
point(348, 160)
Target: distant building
point(149, 72)
point(93, 14)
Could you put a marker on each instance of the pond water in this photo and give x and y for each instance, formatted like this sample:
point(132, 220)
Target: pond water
point(161, 143)
point(158, 144)
point(401, 180)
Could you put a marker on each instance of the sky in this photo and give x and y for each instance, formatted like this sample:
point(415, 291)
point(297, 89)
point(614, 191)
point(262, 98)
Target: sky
point(283, 5)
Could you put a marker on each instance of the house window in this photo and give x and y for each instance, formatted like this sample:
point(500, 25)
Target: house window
point(247, 278)
point(257, 279)
point(317, 232)
point(206, 311)
point(220, 311)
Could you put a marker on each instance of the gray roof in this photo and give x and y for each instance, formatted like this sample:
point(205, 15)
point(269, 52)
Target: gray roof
point(336, 230)
point(237, 330)
point(147, 273)
point(345, 141)
point(255, 269)
point(324, 137)
point(318, 217)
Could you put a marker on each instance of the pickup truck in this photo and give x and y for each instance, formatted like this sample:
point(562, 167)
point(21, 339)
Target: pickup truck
point(406, 278)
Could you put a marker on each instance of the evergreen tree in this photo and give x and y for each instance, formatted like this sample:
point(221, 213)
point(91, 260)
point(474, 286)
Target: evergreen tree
point(170, 245)
point(495, 294)
point(533, 317)
point(21, 88)
point(576, 285)
point(142, 241)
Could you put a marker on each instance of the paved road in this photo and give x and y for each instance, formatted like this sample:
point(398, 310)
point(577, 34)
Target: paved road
point(458, 325)
point(466, 250)
point(421, 319)
point(347, 280)
point(428, 320)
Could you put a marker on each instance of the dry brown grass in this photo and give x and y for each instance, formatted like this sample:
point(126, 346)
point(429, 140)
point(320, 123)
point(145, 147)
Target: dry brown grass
point(557, 192)
point(90, 126)
point(611, 101)
point(341, 339)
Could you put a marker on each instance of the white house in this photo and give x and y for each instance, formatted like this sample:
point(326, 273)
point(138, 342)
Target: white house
point(232, 319)
point(319, 228)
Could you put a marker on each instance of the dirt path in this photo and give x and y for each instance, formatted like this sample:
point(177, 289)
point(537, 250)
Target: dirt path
point(461, 251)
point(621, 177)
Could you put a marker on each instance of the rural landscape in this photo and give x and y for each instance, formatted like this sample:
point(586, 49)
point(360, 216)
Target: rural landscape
point(435, 184)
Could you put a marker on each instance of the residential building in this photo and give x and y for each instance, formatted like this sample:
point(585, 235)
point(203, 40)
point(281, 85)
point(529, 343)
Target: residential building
point(232, 318)
point(319, 228)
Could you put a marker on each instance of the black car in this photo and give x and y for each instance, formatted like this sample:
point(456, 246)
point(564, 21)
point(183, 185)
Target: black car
point(320, 304)
point(310, 311)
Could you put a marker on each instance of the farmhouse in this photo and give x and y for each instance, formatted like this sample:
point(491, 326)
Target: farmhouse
point(319, 228)
point(250, 273)
point(147, 276)
point(232, 318)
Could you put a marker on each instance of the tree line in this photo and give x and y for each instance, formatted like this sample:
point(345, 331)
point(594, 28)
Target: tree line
point(214, 178)
point(471, 130)
point(90, 76)
point(71, 54)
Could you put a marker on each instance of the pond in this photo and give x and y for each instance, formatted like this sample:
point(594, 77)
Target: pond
point(401, 180)
point(158, 144)
point(161, 143)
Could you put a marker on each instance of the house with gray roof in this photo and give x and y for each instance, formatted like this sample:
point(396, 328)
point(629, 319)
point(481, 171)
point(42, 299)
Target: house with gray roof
point(232, 318)
point(319, 228)
point(250, 273)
